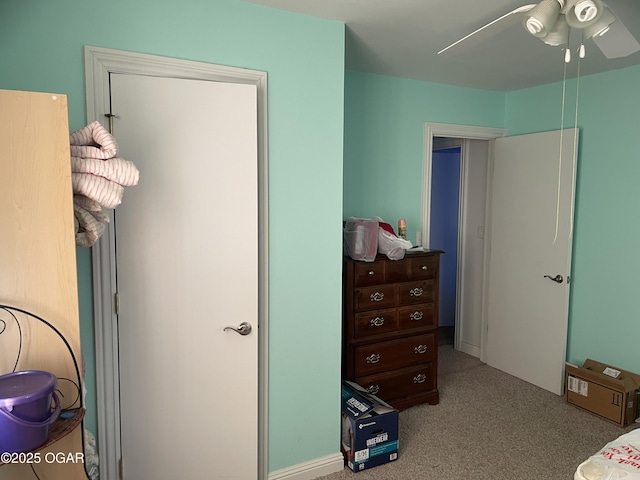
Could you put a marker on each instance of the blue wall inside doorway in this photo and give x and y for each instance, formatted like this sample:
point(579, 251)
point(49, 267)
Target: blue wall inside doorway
point(445, 203)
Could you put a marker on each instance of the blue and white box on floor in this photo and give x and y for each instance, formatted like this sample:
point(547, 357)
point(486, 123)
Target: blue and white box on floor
point(369, 429)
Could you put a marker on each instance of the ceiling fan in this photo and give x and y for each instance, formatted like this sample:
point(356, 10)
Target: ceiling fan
point(552, 20)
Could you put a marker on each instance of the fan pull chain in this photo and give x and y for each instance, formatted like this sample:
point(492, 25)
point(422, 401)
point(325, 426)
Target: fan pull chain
point(564, 89)
point(575, 153)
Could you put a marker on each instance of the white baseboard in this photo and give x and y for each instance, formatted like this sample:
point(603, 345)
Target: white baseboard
point(469, 349)
point(312, 469)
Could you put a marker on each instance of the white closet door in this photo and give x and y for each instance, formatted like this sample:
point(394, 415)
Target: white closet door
point(187, 267)
point(528, 312)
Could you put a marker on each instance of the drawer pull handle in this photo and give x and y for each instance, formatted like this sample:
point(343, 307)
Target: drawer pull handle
point(373, 389)
point(373, 358)
point(371, 272)
point(424, 267)
point(376, 297)
point(416, 316)
point(420, 349)
point(420, 378)
point(416, 292)
point(377, 322)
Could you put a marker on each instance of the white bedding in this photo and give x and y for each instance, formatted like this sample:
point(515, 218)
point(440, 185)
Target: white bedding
point(617, 460)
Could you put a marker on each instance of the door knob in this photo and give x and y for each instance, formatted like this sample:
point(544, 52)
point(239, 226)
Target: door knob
point(558, 278)
point(243, 329)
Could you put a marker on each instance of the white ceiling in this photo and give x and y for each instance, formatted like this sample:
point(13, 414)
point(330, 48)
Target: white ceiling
point(402, 37)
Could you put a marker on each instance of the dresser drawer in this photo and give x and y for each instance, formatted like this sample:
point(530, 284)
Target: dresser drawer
point(416, 292)
point(374, 298)
point(416, 316)
point(423, 268)
point(366, 274)
point(393, 354)
point(400, 383)
point(375, 323)
point(396, 271)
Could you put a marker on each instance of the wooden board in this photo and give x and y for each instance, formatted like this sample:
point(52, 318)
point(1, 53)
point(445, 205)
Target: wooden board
point(37, 254)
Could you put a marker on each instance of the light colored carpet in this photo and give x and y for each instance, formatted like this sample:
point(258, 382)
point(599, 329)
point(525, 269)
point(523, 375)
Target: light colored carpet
point(490, 426)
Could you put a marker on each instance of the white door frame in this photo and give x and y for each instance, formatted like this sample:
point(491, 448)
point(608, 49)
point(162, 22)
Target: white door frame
point(99, 63)
point(463, 132)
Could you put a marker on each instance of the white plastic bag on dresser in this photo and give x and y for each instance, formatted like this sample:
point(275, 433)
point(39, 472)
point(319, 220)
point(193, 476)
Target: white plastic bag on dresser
point(617, 460)
point(361, 238)
point(391, 246)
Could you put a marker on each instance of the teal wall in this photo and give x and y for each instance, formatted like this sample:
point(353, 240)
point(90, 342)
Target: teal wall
point(41, 49)
point(383, 142)
point(384, 118)
point(85, 306)
point(604, 311)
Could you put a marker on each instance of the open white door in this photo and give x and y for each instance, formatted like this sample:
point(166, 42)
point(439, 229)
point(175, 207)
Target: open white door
point(187, 267)
point(530, 241)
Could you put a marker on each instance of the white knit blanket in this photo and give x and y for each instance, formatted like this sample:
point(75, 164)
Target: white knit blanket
point(98, 178)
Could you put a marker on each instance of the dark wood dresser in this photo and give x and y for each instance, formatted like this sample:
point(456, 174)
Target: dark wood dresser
point(391, 327)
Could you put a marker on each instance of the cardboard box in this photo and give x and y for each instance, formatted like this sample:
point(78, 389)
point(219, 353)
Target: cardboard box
point(603, 390)
point(369, 429)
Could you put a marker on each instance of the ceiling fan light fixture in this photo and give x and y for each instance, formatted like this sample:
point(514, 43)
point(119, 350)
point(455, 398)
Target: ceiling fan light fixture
point(559, 34)
point(583, 13)
point(540, 19)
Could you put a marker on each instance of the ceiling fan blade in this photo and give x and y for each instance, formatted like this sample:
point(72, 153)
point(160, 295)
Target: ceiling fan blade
point(488, 31)
point(618, 42)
